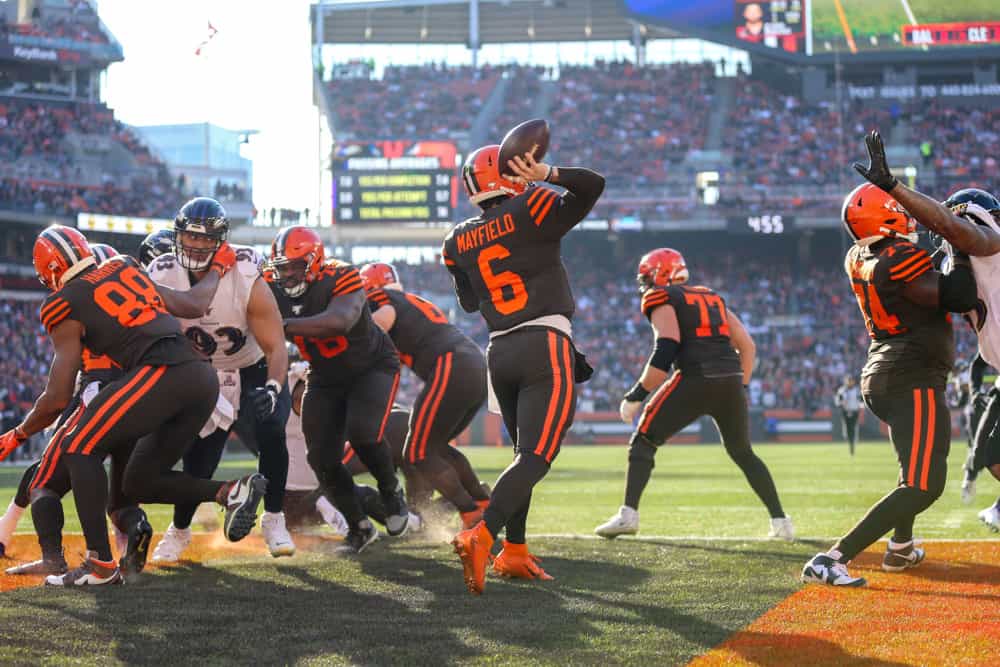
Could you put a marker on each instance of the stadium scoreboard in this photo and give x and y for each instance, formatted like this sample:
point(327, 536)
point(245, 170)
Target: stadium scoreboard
point(394, 182)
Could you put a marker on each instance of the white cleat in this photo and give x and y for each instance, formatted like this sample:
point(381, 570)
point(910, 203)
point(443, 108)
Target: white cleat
point(991, 517)
point(172, 545)
point(415, 524)
point(626, 522)
point(823, 569)
point(279, 542)
point(968, 491)
point(782, 529)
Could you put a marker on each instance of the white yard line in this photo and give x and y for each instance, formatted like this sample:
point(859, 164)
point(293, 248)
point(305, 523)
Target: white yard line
point(909, 12)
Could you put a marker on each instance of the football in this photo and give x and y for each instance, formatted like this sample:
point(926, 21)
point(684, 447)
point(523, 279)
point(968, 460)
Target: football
point(531, 136)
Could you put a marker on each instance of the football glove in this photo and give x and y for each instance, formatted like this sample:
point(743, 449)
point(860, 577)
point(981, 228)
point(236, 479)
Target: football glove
point(877, 170)
point(265, 399)
point(629, 410)
point(223, 259)
point(10, 441)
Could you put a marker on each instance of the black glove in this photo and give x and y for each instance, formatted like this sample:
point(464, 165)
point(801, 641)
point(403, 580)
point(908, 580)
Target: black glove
point(980, 400)
point(265, 399)
point(878, 168)
point(582, 371)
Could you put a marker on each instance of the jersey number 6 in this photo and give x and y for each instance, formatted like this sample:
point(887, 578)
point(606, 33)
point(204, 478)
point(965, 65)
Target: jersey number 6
point(495, 282)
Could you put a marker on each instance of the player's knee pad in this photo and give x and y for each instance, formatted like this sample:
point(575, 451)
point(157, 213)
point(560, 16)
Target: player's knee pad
point(641, 448)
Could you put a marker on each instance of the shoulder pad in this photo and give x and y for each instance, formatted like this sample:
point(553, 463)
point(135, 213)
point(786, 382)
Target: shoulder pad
point(653, 299)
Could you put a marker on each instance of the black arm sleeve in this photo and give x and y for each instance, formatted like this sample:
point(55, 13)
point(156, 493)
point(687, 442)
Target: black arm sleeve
point(463, 289)
point(957, 289)
point(977, 369)
point(583, 189)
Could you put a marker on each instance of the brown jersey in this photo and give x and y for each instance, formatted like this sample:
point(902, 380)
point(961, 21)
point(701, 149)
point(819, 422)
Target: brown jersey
point(336, 359)
point(122, 314)
point(506, 262)
point(912, 345)
point(421, 332)
point(99, 368)
point(706, 349)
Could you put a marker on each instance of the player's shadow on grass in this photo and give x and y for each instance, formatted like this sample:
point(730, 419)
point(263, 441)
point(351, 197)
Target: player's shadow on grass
point(554, 617)
point(780, 650)
point(792, 552)
point(201, 615)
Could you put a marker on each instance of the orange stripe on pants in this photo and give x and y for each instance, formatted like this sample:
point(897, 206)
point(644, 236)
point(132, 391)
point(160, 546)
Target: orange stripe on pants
point(654, 405)
point(929, 443)
point(120, 412)
point(437, 403)
point(554, 399)
point(388, 406)
point(412, 451)
point(54, 451)
point(121, 393)
point(567, 404)
point(911, 475)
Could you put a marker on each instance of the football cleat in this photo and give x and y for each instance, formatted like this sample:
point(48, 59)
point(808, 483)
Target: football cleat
point(397, 514)
point(515, 561)
point(279, 542)
point(415, 523)
point(625, 522)
point(358, 538)
point(782, 528)
point(968, 491)
point(140, 534)
point(91, 572)
point(991, 517)
point(823, 569)
point(50, 564)
point(172, 545)
point(473, 547)
point(242, 501)
point(899, 557)
point(335, 520)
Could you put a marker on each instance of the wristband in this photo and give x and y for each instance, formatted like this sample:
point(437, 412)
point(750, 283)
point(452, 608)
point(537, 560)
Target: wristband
point(548, 175)
point(637, 393)
point(274, 384)
point(19, 433)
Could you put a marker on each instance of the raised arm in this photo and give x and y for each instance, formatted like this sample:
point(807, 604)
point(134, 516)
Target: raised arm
point(964, 235)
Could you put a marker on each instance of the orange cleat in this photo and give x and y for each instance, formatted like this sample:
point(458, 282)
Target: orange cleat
point(515, 561)
point(473, 547)
point(470, 519)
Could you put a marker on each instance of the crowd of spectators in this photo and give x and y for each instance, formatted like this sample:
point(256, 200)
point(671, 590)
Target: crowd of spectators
point(778, 139)
point(75, 20)
point(418, 101)
point(631, 123)
point(39, 174)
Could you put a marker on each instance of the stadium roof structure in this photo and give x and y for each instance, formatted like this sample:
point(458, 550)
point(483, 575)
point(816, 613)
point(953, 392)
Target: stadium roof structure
point(475, 22)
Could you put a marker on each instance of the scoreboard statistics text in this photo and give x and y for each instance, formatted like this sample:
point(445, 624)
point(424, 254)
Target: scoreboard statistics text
point(394, 182)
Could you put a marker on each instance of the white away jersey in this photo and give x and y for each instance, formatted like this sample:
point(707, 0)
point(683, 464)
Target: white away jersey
point(986, 319)
point(300, 474)
point(223, 333)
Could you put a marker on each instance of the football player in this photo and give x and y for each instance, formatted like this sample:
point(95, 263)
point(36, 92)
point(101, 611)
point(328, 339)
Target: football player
point(453, 370)
point(155, 244)
point(166, 393)
point(713, 356)
point(44, 491)
point(352, 379)
point(240, 332)
point(905, 303)
point(980, 381)
point(506, 265)
point(305, 502)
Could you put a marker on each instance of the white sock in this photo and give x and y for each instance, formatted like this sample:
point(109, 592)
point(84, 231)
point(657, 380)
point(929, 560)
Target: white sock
point(8, 522)
point(281, 514)
point(835, 554)
point(898, 546)
point(326, 509)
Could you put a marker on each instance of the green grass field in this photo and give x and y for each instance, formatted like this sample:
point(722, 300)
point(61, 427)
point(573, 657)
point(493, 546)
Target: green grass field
point(645, 602)
point(883, 18)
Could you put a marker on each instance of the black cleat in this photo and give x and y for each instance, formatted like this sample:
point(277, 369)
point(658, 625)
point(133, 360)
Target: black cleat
point(241, 506)
point(139, 536)
point(358, 538)
point(397, 514)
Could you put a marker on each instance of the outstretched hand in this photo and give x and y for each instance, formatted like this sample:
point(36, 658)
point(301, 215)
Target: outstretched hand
point(877, 170)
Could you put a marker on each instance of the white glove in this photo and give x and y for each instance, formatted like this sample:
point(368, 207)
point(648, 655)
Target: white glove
point(629, 410)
